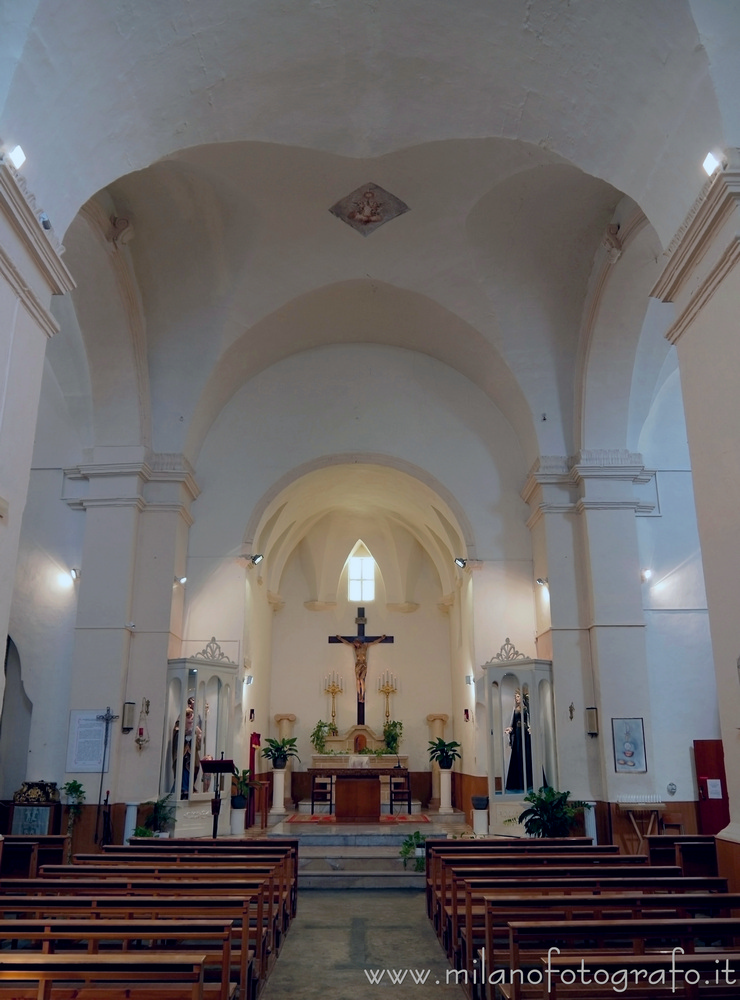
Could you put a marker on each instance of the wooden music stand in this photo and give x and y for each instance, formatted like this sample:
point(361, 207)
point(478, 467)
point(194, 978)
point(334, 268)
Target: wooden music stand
point(218, 767)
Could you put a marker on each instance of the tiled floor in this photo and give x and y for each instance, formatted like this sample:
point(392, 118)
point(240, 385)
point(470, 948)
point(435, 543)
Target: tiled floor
point(339, 941)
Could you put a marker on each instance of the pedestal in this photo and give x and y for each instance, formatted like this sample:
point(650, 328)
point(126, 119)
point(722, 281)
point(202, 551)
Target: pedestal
point(237, 822)
point(445, 791)
point(278, 793)
point(129, 824)
point(480, 822)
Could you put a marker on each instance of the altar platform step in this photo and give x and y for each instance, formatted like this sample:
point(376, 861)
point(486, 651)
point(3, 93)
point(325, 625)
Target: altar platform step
point(377, 867)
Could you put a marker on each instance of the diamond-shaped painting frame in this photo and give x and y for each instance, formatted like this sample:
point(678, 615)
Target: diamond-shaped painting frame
point(368, 207)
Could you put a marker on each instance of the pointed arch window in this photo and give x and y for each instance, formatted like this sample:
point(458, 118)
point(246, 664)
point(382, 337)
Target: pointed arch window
point(361, 578)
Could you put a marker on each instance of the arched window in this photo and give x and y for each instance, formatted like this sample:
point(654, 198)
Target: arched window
point(361, 578)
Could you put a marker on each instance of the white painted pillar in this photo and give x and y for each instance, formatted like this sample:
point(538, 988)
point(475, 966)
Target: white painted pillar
point(31, 271)
point(278, 794)
point(445, 792)
point(702, 280)
point(436, 725)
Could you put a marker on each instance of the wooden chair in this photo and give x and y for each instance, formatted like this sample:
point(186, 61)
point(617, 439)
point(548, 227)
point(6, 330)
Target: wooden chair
point(400, 790)
point(321, 790)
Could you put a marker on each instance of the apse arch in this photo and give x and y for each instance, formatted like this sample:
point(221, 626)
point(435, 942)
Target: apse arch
point(394, 493)
point(362, 312)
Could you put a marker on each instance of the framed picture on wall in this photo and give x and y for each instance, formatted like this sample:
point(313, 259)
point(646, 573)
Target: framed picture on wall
point(629, 746)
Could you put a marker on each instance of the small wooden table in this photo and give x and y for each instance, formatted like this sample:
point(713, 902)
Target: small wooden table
point(357, 791)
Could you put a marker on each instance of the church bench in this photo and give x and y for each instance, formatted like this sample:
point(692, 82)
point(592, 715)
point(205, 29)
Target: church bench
point(276, 888)
point(244, 913)
point(462, 924)
point(141, 976)
point(286, 847)
point(501, 911)
point(51, 848)
point(661, 848)
point(684, 977)
point(530, 941)
point(59, 936)
point(283, 863)
point(459, 901)
point(19, 859)
point(697, 857)
point(442, 853)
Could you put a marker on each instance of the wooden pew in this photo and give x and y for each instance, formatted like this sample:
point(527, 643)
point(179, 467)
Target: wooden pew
point(530, 941)
point(462, 909)
point(283, 847)
point(439, 858)
point(661, 848)
point(21, 855)
point(58, 936)
point(277, 893)
point(137, 908)
point(706, 967)
point(466, 924)
point(501, 911)
point(132, 976)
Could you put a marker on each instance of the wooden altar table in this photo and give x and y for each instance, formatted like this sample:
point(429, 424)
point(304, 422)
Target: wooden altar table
point(357, 791)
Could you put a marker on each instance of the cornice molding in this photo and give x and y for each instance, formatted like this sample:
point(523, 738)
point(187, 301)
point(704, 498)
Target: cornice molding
point(705, 248)
point(22, 212)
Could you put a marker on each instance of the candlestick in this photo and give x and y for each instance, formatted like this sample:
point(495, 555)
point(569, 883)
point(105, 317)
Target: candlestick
point(333, 685)
point(387, 687)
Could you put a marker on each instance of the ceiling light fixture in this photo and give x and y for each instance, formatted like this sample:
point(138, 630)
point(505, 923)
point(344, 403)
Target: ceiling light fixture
point(17, 157)
point(710, 163)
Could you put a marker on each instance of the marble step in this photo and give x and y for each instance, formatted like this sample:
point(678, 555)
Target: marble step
point(361, 880)
point(352, 859)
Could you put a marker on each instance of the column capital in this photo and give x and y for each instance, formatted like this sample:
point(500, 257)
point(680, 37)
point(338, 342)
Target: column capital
point(705, 248)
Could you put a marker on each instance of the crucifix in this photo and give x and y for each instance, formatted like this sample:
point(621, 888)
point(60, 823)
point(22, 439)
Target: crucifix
point(360, 644)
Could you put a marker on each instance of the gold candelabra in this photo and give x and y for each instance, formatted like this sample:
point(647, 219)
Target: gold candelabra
point(333, 685)
point(387, 685)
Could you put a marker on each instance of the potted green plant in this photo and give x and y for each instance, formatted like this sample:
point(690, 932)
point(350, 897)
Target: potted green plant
point(75, 797)
point(392, 735)
point(278, 751)
point(550, 814)
point(241, 783)
point(320, 731)
point(444, 752)
point(413, 847)
point(161, 819)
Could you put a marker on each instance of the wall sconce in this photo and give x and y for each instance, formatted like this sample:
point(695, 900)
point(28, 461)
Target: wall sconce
point(592, 721)
point(127, 716)
point(142, 736)
point(459, 561)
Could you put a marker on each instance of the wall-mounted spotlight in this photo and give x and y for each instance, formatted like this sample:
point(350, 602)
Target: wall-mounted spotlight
point(75, 573)
point(250, 679)
point(130, 626)
point(645, 575)
point(17, 157)
point(542, 582)
point(592, 721)
point(459, 561)
point(181, 579)
point(468, 678)
point(710, 163)
point(256, 559)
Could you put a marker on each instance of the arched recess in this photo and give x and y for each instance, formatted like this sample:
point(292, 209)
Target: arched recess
point(15, 725)
point(392, 496)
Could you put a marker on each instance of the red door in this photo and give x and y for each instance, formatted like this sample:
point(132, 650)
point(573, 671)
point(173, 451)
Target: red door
point(714, 804)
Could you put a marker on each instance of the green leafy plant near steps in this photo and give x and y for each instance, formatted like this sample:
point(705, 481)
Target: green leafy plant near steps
point(408, 850)
point(159, 820)
point(392, 735)
point(75, 793)
point(550, 814)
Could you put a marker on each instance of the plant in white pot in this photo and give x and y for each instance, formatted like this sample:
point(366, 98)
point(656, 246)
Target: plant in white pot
point(241, 785)
point(278, 751)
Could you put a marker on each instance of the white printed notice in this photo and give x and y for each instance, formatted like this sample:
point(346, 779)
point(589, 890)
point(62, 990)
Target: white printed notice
point(714, 788)
point(86, 742)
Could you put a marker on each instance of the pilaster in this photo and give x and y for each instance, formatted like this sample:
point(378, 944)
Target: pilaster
point(702, 281)
point(31, 271)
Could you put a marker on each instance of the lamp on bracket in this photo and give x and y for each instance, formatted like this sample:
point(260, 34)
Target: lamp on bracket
point(256, 559)
point(459, 561)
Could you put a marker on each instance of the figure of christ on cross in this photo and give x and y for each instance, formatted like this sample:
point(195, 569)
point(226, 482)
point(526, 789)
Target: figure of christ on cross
point(360, 643)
